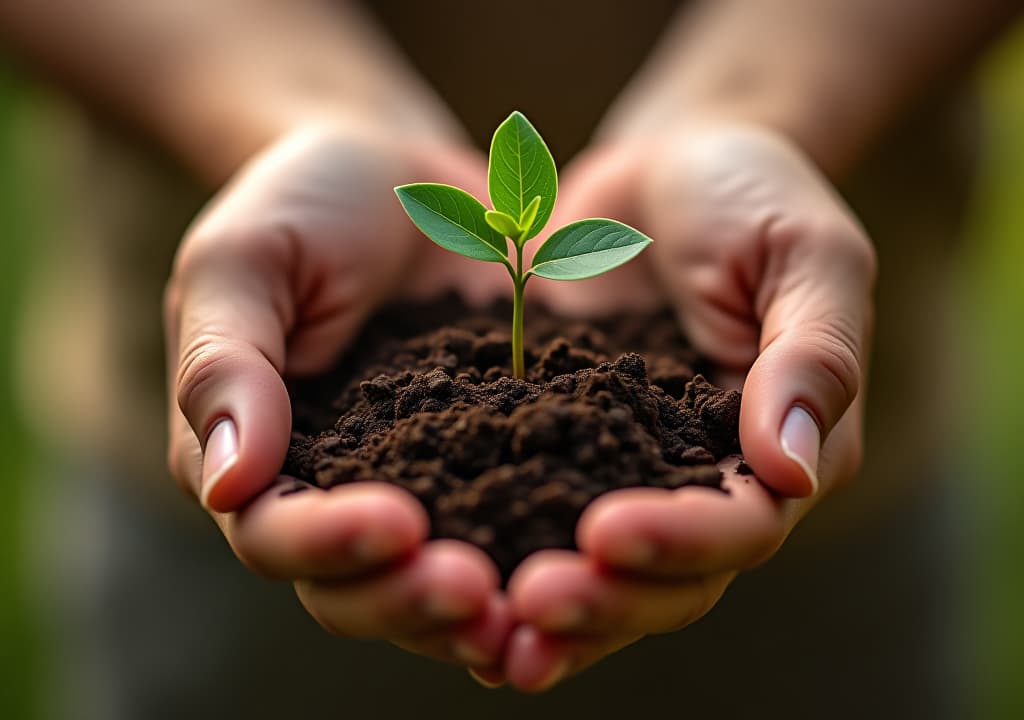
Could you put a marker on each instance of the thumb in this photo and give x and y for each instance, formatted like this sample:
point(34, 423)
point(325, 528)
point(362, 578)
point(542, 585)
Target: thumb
point(816, 314)
point(228, 309)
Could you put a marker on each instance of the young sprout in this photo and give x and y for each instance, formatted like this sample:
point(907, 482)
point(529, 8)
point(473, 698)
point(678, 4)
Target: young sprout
point(522, 182)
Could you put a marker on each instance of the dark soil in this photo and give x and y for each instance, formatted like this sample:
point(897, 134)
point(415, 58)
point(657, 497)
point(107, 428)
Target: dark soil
point(509, 465)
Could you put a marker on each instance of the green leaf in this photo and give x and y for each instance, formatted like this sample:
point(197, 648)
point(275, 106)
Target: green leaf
point(453, 219)
point(520, 169)
point(587, 248)
point(502, 223)
point(529, 216)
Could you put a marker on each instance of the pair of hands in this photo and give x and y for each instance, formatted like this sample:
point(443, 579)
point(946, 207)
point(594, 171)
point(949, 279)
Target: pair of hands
point(768, 271)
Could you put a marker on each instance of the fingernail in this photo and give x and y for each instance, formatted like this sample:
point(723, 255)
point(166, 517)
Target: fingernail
point(801, 441)
point(564, 618)
point(469, 654)
point(558, 672)
point(484, 681)
point(220, 455)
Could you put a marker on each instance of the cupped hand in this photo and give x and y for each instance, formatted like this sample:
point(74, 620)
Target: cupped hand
point(771, 277)
point(275, 278)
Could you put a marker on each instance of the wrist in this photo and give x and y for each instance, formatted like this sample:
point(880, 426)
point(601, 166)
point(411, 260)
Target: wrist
point(216, 124)
point(763, 66)
point(804, 119)
point(235, 91)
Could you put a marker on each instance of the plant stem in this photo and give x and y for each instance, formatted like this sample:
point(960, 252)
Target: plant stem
point(518, 283)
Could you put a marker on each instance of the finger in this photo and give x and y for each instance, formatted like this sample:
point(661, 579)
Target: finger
point(477, 644)
point(816, 318)
point(704, 256)
point(763, 250)
point(297, 530)
point(444, 584)
point(536, 661)
point(713, 313)
point(566, 593)
point(686, 532)
point(184, 454)
point(228, 309)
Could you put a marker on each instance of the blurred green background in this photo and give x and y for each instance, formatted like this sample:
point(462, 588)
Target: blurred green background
point(992, 301)
point(992, 329)
point(17, 650)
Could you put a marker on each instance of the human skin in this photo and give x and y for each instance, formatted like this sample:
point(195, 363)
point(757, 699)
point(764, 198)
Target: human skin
point(725, 149)
point(754, 109)
point(308, 118)
point(274, 279)
point(771, 276)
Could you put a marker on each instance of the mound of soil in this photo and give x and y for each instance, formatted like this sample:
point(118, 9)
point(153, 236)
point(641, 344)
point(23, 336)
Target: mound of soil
point(429, 404)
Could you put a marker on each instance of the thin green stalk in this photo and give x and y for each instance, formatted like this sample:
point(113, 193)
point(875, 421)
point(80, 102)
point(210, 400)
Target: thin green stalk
point(457, 221)
point(518, 283)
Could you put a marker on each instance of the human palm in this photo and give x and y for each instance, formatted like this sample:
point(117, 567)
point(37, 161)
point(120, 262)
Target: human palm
point(771, 278)
point(769, 274)
point(274, 279)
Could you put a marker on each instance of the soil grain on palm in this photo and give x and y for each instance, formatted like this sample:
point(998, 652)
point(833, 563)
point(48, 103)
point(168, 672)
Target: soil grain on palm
point(509, 465)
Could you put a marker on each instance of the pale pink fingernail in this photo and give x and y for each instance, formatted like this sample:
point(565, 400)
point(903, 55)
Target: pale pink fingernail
point(220, 456)
point(801, 442)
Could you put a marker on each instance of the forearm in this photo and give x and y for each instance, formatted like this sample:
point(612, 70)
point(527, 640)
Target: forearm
point(215, 80)
point(827, 73)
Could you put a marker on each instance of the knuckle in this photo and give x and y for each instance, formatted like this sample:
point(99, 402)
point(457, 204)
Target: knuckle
point(849, 245)
point(201, 360)
point(199, 247)
point(837, 236)
point(835, 348)
point(218, 243)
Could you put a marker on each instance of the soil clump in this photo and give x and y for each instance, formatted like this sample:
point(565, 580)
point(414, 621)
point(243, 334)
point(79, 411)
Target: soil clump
point(428, 402)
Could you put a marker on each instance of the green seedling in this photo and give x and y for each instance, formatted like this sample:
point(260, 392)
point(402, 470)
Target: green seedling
point(522, 183)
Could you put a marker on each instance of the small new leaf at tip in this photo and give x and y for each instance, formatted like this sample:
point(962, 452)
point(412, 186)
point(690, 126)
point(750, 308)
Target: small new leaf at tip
point(587, 248)
point(522, 183)
point(453, 219)
point(520, 168)
point(529, 217)
point(502, 223)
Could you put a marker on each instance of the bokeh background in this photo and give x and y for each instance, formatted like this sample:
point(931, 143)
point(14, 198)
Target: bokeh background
point(990, 311)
